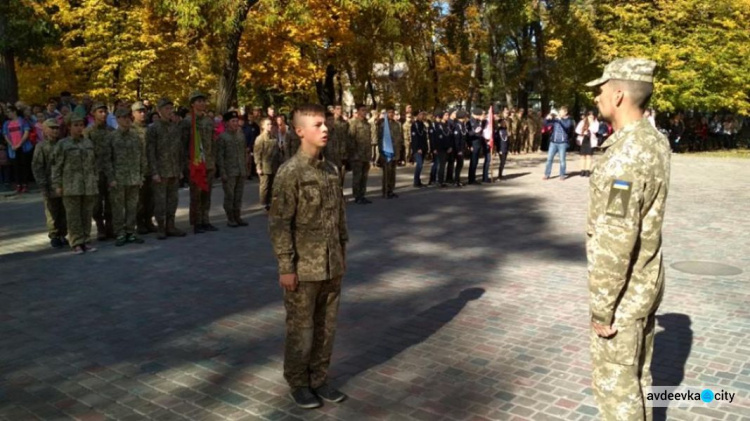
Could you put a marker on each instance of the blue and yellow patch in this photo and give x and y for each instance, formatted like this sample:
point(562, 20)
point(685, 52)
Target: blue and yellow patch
point(619, 198)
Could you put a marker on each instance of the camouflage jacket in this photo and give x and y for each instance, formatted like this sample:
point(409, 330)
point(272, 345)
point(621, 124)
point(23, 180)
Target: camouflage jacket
point(41, 165)
point(74, 168)
point(335, 150)
point(205, 127)
point(126, 161)
point(406, 130)
point(307, 221)
point(164, 149)
point(141, 131)
point(267, 154)
point(99, 136)
point(397, 138)
point(230, 155)
point(360, 137)
point(293, 143)
point(627, 197)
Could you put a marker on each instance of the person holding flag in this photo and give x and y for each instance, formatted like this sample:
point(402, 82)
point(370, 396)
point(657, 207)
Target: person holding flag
point(488, 133)
point(391, 141)
point(197, 136)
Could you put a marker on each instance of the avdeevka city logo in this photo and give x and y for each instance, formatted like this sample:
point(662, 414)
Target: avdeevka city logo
point(707, 395)
point(685, 396)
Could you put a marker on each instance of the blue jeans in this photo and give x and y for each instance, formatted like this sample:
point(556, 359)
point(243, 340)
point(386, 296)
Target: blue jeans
point(418, 158)
point(554, 149)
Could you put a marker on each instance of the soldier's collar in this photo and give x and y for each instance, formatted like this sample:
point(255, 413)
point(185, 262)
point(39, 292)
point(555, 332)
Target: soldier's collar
point(623, 132)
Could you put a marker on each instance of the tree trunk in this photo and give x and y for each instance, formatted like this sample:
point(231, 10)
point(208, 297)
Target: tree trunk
point(371, 91)
point(8, 78)
point(227, 90)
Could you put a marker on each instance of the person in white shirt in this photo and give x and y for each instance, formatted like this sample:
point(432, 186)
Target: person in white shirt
point(587, 140)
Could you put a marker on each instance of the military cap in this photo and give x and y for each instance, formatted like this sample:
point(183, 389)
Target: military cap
point(196, 95)
point(164, 102)
point(98, 105)
point(635, 69)
point(461, 114)
point(138, 105)
point(477, 111)
point(122, 112)
point(51, 123)
point(75, 118)
point(438, 113)
point(230, 115)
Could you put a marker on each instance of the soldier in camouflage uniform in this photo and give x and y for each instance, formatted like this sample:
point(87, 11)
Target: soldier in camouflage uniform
point(232, 160)
point(267, 159)
point(521, 131)
point(627, 197)
point(145, 212)
point(338, 133)
point(99, 135)
point(198, 127)
point(75, 177)
point(359, 153)
point(307, 225)
point(126, 166)
point(165, 163)
point(397, 142)
point(54, 211)
point(406, 130)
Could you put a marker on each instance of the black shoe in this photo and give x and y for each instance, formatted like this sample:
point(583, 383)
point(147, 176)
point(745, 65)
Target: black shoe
point(209, 227)
point(443, 185)
point(121, 241)
point(365, 201)
point(56, 243)
point(328, 393)
point(198, 229)
point(64, 241)
point(132, 238)
point(304, 398)
point(394, 196)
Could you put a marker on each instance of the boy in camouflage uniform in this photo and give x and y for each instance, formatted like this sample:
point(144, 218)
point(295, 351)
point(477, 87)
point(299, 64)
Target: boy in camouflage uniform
point(307, 225)
point(627, 198)
point(232, 160)
point(75, 177)
point(200, 199)
point(145, 213)
point(99, 135)
point(267, 158)
point(359, 153)
point(126, 165)
point(54, 210)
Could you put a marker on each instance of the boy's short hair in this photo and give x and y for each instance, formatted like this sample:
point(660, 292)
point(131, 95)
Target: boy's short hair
point(307, 110)
point(264, 120)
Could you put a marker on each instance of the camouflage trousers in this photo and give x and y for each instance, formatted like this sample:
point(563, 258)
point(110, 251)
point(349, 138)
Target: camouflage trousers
point(234, 187)
point(266, 188)
point(165, 199)
point(54, 212)
point(124, 208)
point(145, 211)
point(622, 370)
point(389, 177)
point(103, 208)
point(528, 143)
point(342, 174)
point(311, 313)
point(360, 171)
point(78, 214)
point(200, 200)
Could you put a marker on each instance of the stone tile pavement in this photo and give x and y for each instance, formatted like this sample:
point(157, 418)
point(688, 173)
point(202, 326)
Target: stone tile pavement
point(459, 304)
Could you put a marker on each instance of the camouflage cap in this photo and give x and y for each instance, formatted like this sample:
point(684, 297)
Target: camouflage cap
point(97, 105)
point(230, 115)
point(138, 105)
point(163, 102)
point(74, 118)
point(635, 69)
point(196, 95)
point(122, 112)
point(51, 123)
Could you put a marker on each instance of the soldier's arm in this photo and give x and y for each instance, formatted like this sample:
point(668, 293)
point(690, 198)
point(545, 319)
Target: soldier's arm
point(281, 221)
point(57, 167)
point(258, 155)
point(108, 157)
point(221, 147)
point(614, 237)
point(343, 231)
point(151, 151)
point(38, 163)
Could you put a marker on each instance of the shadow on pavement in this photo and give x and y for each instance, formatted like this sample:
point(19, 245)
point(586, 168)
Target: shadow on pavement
point(671, 351)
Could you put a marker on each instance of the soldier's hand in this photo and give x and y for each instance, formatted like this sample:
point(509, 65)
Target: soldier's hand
point(450, 150)
point(419, 151)
point(156, 179)
point(288, 281)
point(113, 184)
point(603, 330)
point(59, 191)
point(259, 173)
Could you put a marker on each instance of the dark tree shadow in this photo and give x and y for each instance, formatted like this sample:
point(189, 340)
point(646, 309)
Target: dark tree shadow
point(671, 351)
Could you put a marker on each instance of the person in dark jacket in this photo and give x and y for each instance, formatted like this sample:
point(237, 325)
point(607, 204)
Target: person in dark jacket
point(460, 134)
point(419, 146)
point(501, 141)
point(442, 145)
point(476, 142)
point(558, 142)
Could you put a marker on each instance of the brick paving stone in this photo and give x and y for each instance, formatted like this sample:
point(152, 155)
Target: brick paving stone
point(457, 304)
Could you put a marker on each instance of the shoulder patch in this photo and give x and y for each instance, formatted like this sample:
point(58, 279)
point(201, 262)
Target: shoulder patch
point(619, 198)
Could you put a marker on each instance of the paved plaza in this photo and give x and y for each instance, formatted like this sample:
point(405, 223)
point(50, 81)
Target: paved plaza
point(458, 304)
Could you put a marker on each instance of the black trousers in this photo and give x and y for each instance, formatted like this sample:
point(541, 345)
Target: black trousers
point(459, 167)
point(503, 157)
point(477, 149)
point(450, 159)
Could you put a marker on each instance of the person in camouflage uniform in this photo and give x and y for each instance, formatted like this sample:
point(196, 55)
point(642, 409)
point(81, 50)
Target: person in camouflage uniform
point(267, 159)
point(406, 129)
point(75, 176)
point(232, 160)
point(307, 226)
point(521, 131)
point(359, 153)
point(145, 213)
point(338, 133)
point(126, 166)
point(397, 142)
point(165, 163)
point(627, 198)
point(54, 210)
point(198, 127)
point(99, 135)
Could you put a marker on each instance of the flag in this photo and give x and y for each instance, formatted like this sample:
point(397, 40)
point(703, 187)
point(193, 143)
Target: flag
point(197, 159)
point(387, 141)
point(488, 132)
